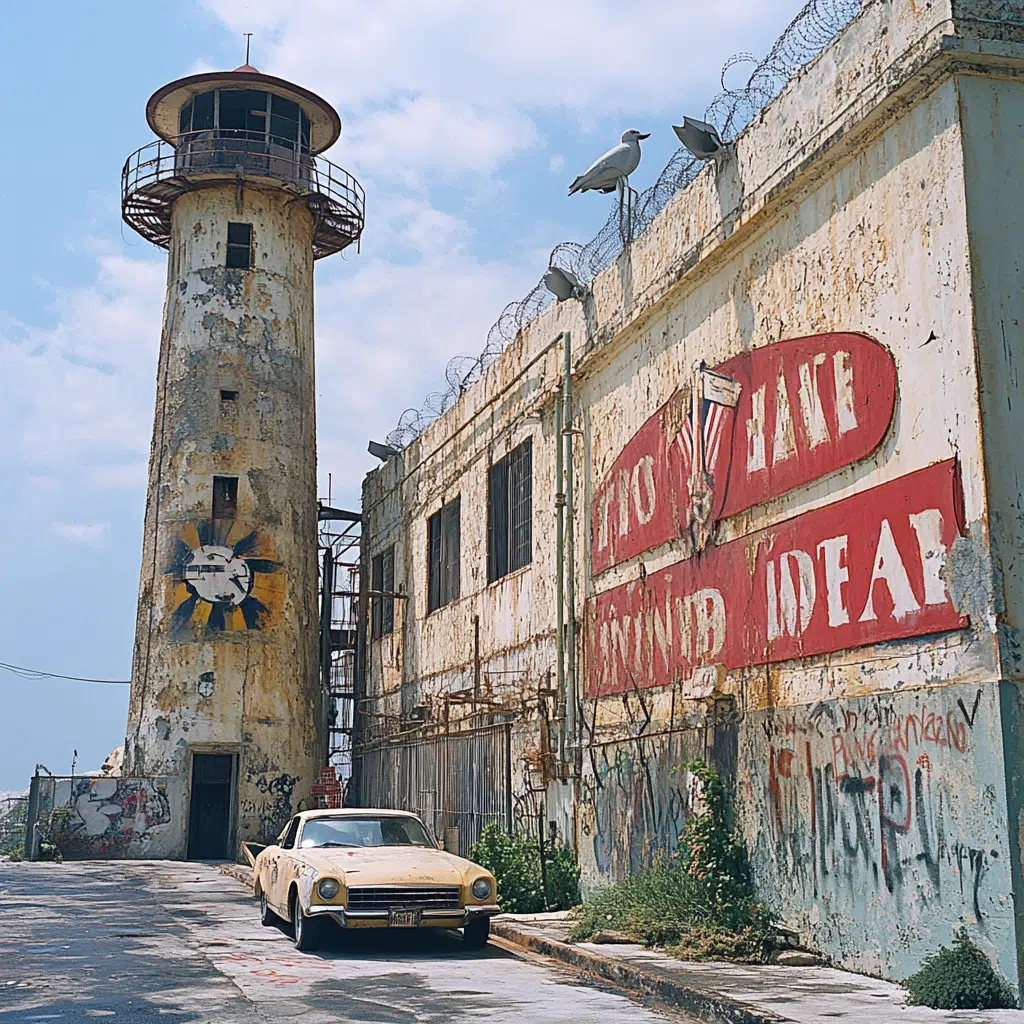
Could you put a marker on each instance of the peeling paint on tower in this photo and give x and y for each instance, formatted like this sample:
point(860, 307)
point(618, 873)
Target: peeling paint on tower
point(225, 684)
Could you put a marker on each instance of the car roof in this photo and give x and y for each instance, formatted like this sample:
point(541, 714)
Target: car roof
point(355, 812)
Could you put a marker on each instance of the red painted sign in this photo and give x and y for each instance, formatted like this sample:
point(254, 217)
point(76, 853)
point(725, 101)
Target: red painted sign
point(860, 571)
point(739, 435)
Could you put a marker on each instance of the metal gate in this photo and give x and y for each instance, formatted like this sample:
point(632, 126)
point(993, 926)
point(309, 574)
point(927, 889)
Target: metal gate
point(458, 783)
point(13, 822)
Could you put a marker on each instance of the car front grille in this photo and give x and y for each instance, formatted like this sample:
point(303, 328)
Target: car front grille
point(382, 897)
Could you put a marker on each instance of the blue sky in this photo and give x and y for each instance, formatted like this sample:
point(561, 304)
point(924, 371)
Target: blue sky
point(464, 120)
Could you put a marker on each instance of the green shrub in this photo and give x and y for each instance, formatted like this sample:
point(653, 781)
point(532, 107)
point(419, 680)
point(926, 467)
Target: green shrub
point(961, 978)
point(514, 860)
point(701, 905)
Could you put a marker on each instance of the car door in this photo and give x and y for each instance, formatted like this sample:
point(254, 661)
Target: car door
point(277, 868)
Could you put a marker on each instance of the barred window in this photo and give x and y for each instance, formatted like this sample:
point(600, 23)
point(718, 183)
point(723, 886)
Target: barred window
point(382, 580)
point(510, 512)
point(443, 564)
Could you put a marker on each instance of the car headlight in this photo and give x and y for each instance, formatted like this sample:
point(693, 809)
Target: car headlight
point(327, 888)
point(482, 888)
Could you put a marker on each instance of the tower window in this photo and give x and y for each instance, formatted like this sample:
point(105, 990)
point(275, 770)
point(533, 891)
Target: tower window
point(239, 246)
point(228, 396)
point(225, 497)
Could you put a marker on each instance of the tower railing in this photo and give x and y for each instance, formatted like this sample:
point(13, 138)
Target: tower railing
point(158, 173)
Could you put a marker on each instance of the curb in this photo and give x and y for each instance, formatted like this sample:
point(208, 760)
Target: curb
point(640, 978)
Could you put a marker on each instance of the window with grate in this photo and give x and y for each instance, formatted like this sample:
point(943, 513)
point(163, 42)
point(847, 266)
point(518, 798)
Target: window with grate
point(510, 512)
point(443, 565)
point(239, 254)
point(382, 580)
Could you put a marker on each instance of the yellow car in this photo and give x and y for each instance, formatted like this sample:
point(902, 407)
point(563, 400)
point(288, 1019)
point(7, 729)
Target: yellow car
point(369, 869)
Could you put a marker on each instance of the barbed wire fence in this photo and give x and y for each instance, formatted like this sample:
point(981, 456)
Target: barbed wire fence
point(814, 27)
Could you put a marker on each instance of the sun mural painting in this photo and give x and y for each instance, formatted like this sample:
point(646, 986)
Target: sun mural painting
point(222, 581)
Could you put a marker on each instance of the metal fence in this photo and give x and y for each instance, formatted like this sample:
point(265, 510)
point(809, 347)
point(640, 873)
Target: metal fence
point(458, 783)
point(13, 821)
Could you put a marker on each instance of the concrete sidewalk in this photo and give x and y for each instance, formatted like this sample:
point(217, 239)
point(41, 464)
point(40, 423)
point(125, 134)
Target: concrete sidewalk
point(736, 993)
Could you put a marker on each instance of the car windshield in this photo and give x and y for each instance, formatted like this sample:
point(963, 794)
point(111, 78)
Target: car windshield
point(385, 830)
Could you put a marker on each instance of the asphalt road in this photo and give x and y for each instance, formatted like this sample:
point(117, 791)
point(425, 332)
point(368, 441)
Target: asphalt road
point(149, 941)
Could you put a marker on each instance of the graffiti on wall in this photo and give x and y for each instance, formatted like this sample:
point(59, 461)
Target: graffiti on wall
point(265, 809)
point(878, 805)
point(223, 579)
point(737, 436)
point(863, 570)
point(105, 816)
point(636, 801)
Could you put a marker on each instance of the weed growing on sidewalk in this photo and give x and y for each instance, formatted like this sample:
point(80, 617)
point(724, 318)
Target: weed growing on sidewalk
point(514, 860)
point(961, 978)
point(701, 905)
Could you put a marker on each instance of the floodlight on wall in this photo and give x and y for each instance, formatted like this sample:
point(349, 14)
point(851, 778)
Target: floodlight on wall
point(564, 284)
point(700, 138)
point(381, 451)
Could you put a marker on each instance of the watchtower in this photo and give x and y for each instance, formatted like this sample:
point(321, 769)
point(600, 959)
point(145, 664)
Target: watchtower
point(225, 688)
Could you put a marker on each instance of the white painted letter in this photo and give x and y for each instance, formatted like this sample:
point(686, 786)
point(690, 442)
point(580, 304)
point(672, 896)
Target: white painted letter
point(773, 601)
point(928, 527)
point(622, 489)
point(603, 507)
point(795, 612)
point(709, 610)
point(836, 574)
point(645, 515)
point(889, 567)
point(846, 411)
point(785, 441)
point(810, 402)
point(755, 432)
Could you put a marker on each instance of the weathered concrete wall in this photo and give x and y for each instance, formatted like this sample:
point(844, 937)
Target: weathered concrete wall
point(875, 777)
point(234, 676)
point(117, 818)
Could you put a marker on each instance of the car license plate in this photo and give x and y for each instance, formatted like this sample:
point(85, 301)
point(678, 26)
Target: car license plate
point(404, 918)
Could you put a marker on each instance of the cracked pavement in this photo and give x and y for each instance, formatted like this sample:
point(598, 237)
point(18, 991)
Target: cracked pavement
point(163, 940)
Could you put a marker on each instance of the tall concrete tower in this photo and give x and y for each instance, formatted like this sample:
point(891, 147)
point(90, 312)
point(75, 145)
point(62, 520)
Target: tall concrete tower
point(225, 697)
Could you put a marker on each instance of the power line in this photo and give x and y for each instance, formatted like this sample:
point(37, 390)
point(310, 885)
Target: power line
point(32, 673)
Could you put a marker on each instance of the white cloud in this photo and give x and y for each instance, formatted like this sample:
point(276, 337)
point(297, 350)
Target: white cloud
point(455, 85)
point(78, 394)
point(93, 535)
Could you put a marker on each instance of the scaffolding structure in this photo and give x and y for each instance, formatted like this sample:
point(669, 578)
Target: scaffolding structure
point(340, 628)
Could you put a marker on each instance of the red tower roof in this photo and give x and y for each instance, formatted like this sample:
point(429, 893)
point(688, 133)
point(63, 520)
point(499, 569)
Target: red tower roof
point(247, 69)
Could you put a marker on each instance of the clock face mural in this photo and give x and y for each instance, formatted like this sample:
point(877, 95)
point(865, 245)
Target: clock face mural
point(224, 580)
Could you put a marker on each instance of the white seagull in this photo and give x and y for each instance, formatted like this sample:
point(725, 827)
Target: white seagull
point(611, 170)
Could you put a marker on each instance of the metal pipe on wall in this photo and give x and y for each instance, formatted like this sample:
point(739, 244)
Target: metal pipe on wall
point(560, 578)
point(570, 551)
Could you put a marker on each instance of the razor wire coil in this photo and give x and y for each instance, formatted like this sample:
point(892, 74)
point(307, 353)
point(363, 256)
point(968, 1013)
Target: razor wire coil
point(814, 27)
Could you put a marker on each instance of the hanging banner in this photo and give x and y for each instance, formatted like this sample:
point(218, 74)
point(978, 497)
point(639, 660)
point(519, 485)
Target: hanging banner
point(739, 435)
point(861, 571)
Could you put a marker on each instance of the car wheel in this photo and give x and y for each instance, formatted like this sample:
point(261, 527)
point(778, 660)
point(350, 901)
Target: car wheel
point(474, 935)
point(267, 916)
point(307, 929)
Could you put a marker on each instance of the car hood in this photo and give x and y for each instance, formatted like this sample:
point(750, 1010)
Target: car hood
point(389, 865)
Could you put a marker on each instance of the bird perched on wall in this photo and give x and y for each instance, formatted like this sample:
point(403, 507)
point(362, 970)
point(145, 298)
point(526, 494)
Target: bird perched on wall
point(611, 170)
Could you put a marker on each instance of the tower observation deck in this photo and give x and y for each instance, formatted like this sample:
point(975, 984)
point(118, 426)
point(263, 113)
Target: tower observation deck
point(241, 125)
